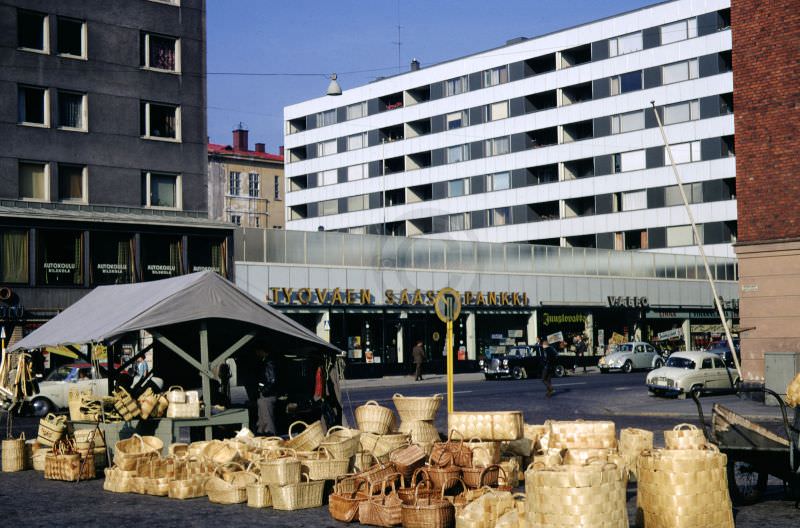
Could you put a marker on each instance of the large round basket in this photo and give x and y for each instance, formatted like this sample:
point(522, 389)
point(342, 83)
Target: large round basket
point(341, 443)
point(684, 436)
point(308, 440)
point(323, 466)
point(13, 458)
point(230, 488)
point(128, 452)
point(417, 408)
point(420, 432)
point(374, 418)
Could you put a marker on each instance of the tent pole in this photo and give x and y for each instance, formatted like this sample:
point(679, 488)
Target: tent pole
point(204, 375)
point(232, 350)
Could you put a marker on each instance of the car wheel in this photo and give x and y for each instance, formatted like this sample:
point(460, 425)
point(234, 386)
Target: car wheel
point(517, 373)
point(745, 482)
point(559, 371)
point(627, 368)
point(42, 406)
point(659, 363)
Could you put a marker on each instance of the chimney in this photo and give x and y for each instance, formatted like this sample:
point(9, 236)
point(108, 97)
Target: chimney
point(414, 65)
point(280, 149)
point(261, 147)
point(240, 141)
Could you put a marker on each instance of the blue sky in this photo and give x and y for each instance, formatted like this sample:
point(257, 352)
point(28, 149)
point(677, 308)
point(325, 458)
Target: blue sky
point(320, 37)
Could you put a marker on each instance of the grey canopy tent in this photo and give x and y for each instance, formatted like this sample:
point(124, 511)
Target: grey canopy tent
point(183, 314)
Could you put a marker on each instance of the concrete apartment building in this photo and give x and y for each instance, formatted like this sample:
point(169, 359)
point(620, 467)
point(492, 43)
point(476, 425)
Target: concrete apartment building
point(104, 163)
point(245, 187)
point(546, 140)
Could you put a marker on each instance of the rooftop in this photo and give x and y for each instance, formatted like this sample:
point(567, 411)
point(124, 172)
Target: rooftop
point(228, 150)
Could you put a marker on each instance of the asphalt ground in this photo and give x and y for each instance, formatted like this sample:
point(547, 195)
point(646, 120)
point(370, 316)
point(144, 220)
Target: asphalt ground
point(26, 499)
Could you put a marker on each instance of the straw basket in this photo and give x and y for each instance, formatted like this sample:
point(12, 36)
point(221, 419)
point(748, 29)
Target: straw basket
point(178, 450)
point(280, 471)
point(297, 496)
point(258, 495)
point(477, 477)
point(487, 425)
point(580, 434)
point(590, 495)
point(484, 453)
point(230, 488)
point(267, 442)
point(417, 408)
point(681, 488)
point(128, 452)
point(190, 479)
point(184, 410)
point(323, 466)
point(380, 472)
point(37, 459)
point(176, 394)
point(75, 399)
point(684, 436)
point(51, 429)
point(125, 405)
point(487, 507)
point(117, 480)
point(420, 432)
point(222, 452)
point(374, 418)
point(451, 452)
point(84, 437)
point(534, 433)
point(443, 477)
point(429, 512)
point(14, 454)
point(343, 502)
point(793, 392)
point(632, 442)
point(63, 463)
point(308, 440)
point(382, 445)
point(342, 443)
point(381, 509)
point(578, 457)
point(407, 494)
point(408, 459)
point(196, 448)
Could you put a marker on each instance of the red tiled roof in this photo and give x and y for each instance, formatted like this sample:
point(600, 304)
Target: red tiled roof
point(214, 148)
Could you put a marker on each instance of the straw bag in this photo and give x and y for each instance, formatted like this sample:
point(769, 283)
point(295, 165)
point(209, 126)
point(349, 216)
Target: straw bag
point(682, 488)
point(84, 437)
point(176, 394)
point(477, 477)
point(408, 459)
point(191, 475)
point(382, 445)
point(258, 495)
point(230, 488)
point(451, 452)
point(684, 436)
point(428, 512)
point(323, 466)
point(147, 403)
point(420, 432)
point(63, 463)
point(487, 425)
point(125, 405)
point(342, 443)
point(484, 453)
point(267, 442)
point(632, 442)
point(14, 454)
point(381, 509)
point(580, 434)
point(308, 440)
point(343, 502)
point(417, 408)
point(280, 471)
point(51, 429)
point(443, 477)
point(373, 418)
point(297, 496)
point(128, 452)
point(222, 452)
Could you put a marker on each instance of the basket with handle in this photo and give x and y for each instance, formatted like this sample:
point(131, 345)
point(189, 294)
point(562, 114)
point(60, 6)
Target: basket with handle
point(477, 476)
point(451, 452)
point(117, 480)
point(148, 401)
point(230, 488)
point(374, 418)
point(51, 429)
point(125, 405)
point(582, 434)
point(161, 472)
point(190, 479)
point(417, 408)
point(381, 509)
point(632, 442)
point(281, 471)
point(378, 472)
point(429, 512)
point(408, 459)
point(13, 454)
point(222, 452)
point(308, 440)
point(684, 436)
point(128, 452)
point(64, 463)
point(382, 445)
point(267, 442)
point(344, 500)
point(407, 494)
point(178, 450)
point(443, 477)
point(83, 437)
point(298, 496)
point(420, 432)
point(176, 394)
point(258, 495)
point(341, 442)
point(323, 466)
point(484, 453)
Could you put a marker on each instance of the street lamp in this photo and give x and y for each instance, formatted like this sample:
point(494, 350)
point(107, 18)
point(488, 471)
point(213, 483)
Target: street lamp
point(333, 87)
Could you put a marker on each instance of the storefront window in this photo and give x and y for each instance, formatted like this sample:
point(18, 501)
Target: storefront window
point(162, 257)
point(14, 256)
point(111, 258)
point(208, 254)
point(60, 258)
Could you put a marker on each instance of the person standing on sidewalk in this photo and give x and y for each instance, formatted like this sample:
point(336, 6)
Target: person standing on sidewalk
point(267, 393)
point(418, 355)
point(580, 350)
point(549, 356)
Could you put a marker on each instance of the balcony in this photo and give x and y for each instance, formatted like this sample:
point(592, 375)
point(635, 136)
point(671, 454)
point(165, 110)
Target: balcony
point(577, 131)
point(577, 93)
point(577, 55)
point(540, 65)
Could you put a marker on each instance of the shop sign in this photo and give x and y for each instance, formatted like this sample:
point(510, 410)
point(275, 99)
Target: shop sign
point(555, 338)
point(627, 302)
point(405, 297)
point(112, 269)
point(161, 269)
point(60, 267)
point(685, 314)
point(730, 304)
point(669, 334)
point(560, 319)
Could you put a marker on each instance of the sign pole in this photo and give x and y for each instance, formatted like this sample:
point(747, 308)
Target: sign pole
point(449, 345)
point(448, 307)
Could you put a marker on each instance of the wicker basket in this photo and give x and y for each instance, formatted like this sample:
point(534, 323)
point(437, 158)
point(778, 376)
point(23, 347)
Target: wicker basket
point(118, 481)
point(382, 445)
point(297, 496)
point(487, 425)
point(125, 405)
point(407, 494)
point(190, 479)
point(128, 452)
point(75, 400)
point(632, 442)
point(222, 452)
point(443, 478)
point(374, 418)
point(578, 457)
point(37, 459)
point(684, 436)
point(342, 443)
point(65, 464)
point(417, 408)
point(484, 453)
point(178, 450)
point(258, 495)
point(323, 466)
point(84, 437)
point(420, 432)
point(380, 472)
point(267, 442)
point(580, 434)
point(196, 448)
point(343, 502)
point(477, 477)
point(408, 459)
point(51, 429)
point(13, 458)
point(176, 394)
point(230, 488)
point(451, 452)
point(184, 410)
point(429, 512)
point(280, 471)
point(308, 440)
point(381, 509)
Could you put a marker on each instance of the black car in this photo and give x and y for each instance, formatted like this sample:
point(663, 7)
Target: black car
point(722, 349)
point(520, 362)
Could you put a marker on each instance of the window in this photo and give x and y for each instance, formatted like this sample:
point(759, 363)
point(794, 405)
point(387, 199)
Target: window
point(500, 216)
point(497, 146)
point(71, 182)
point(277, 187)
point(329, 207)
point(627, 122)
point(328, 117)
point(495, 76)
point(455, 86)
point(32, 31)
point(499, 181)
point(634, 160)
point(457, 188)
point(686, 152)
point(32, 106)
point(457, 222)
point(14, 256)
point(627, 82)
point(357, 172)
point(497, 111)
point(625, 44)
point(679, 236)
point(679, 71)
point(111, 258)
point(60, 258)
point(160, 121)
point(357, 203)
point(634, 200)
point(71, 37)
point(72, 110)
point(161, 256)
point(329, 177)
point(457, 120)
point(253, 185)
point(354, 111)
point(159, 52)
point(678, 31)
point(326, 148)
point(33, 181)
point(457, 153)
point(680, 112)
point(356, 141)
point(235, 183)
point(236, 219)
point(162, 190)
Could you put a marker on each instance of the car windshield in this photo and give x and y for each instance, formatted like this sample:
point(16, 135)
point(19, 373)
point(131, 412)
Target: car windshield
point(64, 373)
point(680, 362)
point(625, 348)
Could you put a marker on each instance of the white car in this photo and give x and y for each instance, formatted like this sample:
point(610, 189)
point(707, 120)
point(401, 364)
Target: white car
point(686, 371)
point(630, 356)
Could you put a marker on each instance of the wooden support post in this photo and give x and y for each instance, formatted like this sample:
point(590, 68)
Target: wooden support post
point(232, 349)
point(204, 374)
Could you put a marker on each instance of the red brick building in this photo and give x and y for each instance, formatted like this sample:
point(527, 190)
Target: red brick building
point(766, 75)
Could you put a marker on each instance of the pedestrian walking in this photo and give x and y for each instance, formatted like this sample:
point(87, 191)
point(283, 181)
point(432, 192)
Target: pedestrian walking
point(267, 393)
point(580, 350)
point(418, 355)
point(549, 356)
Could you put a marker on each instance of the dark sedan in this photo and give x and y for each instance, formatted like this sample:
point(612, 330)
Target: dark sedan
point(520, 362)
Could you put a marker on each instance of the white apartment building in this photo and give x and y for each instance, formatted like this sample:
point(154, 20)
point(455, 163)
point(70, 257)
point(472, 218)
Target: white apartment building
point(549, 140)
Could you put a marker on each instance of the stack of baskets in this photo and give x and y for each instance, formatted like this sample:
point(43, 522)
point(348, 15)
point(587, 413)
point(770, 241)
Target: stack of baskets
point(290, 488)
point(577, 441)
point(632, 443)
point(495, 438)
point(182, 404)
point(417, 414)
point(378, 438)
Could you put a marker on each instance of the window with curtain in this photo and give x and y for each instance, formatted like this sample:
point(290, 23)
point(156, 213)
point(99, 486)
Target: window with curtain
point(208, 254)
point(625, 44)
point(457, 120)
point(70, 182)
point(159, 120)
point(162, 256)
point(14, 255)
point(162, 52)
point(32, 181)
point(234, 183)
point(354, 111)
point(60, 258)
point(163, 190)
point(70, 110)
point(111, 258)
point(495, 76)
point(253, 185)
point(455, 86)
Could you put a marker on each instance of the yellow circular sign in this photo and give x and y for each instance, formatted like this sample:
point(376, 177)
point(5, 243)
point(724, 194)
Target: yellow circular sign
point(436, 336)
point(447, 304)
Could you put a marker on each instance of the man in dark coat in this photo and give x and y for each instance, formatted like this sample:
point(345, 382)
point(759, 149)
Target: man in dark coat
point(549, 356)
point(418, 355)
point(580, 350)
point(267, 393)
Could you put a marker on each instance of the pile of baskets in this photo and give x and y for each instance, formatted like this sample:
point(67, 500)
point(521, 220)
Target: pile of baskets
point(417, 414)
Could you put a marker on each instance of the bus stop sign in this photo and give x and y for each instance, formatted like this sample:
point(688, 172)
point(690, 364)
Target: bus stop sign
point(447, 304)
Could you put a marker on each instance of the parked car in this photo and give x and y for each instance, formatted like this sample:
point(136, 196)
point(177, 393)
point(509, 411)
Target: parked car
point(520, 362)
point(686, 371)
point(722, 349)
point(630, 356)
